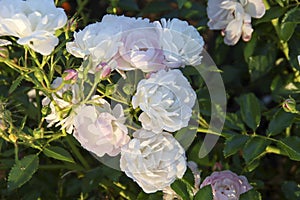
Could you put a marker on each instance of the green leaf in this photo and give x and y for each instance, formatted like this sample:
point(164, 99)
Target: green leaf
point(234, 144)
point(292, 15)
point(250, 47)
point(259, 65)
point(254, 148)
point(250, 195)
point(58, 153)
point(279, 122)
point(291, 146)
point(129, 5)
point(182, 189)
point(294, 49)
point(280, 2)
point(180, 3)
point(289, 23)
point(15, 84)
point(233, 121)
point(128, 89)
point(110, 89)
point(252, 165)
point(250, 110)
point(186, 136)
point(260, 56)
point(156, 7)
point(22, 171)
point(287, 30)
point(291, 190)
point(272, 13)
point(204, 193)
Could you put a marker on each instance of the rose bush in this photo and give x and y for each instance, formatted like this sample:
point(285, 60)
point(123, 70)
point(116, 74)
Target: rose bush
point(153, 160)
point(166, 99)
point(54, 130)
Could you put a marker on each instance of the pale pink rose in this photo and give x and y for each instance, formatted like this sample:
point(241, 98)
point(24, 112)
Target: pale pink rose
point(141, 48)
point(226, 185)
point(153, 160)
point(233, 17)
point(101, 130)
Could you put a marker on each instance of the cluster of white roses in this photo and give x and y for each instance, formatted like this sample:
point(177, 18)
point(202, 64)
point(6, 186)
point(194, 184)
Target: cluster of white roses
point(233, 17)
point(151, 156)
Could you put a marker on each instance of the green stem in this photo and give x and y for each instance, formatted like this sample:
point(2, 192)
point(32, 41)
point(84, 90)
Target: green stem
point(77, 153)
point(15, 66)
point(272, 149)
point(275, 23)
point(112, 98)
point(59, 167)
point(202, 130)
point(16, 152)
point(91, 91)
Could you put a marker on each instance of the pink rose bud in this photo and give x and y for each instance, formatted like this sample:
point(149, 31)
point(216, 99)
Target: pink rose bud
point(217, 166)
point(4, 54)
point(72, 24)
point(70, 74)
point(289, 105)
point(104, 68)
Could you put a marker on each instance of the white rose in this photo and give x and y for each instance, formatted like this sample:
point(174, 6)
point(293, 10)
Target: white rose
point(33, 22)
point(99, 40)
point(63, 116)
point(101, 130)
point(181, 43)
point(233, 17)
point(166, 99)
point(154, 161)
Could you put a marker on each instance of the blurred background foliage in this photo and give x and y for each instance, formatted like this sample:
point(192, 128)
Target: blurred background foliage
point(261, 137)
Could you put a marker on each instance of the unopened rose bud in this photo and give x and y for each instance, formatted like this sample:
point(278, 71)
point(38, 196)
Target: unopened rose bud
point(13, 138)
point(38, 133)
point(39, 75)
point(2, 125)
point(67, 96)
point(104, 68)
point(72, 24)
point(218, 166)
point(46, 111)
point(289, 105)
point(70, 74)
point(4, 54)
